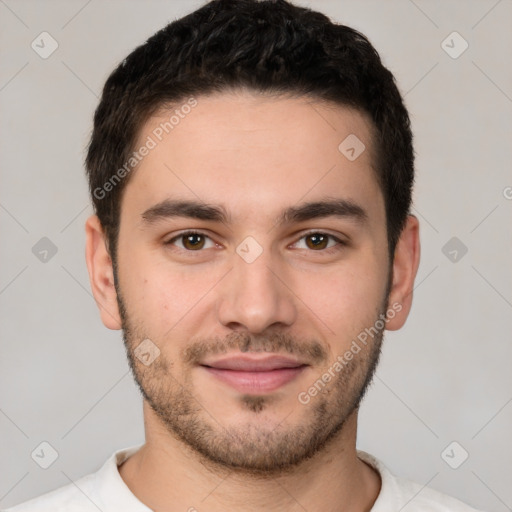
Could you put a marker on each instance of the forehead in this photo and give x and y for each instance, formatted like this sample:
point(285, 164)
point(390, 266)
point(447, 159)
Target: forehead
point(250, 153)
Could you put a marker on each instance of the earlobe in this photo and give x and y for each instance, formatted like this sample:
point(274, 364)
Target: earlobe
point(405, 266)
point(101, 275)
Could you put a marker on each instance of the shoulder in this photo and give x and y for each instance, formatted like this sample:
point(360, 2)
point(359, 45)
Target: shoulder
point(418, 498)
point(102, 490)
point(71, 498)
point(408, 496)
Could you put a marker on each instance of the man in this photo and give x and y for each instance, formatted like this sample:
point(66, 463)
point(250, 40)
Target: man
point(251, 168)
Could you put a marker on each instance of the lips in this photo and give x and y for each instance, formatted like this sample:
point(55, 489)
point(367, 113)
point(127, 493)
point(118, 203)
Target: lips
point(255, 374)
point(254, 364)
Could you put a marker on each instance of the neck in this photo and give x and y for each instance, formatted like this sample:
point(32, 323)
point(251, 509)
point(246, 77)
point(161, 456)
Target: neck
point(167, 475)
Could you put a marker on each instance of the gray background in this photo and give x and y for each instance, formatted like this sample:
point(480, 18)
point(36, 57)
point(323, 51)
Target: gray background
point(444, 377)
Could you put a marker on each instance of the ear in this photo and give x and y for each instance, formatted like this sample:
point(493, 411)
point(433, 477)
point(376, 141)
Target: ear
point(405, 266)
point(101, 273)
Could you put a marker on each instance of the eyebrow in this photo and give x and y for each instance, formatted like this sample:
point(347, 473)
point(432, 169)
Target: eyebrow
point(333, 207)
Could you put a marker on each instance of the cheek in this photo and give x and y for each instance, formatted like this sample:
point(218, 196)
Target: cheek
point(347, 299)
point(166, 298)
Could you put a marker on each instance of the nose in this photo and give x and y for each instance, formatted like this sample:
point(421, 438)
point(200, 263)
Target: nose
point(257, 295)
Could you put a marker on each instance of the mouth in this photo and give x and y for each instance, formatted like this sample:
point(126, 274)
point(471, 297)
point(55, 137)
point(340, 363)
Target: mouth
point(251, 374)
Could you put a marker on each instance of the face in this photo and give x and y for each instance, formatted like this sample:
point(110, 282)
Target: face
point(253, 276)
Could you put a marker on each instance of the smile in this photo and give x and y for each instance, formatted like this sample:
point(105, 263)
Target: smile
point(255, 375)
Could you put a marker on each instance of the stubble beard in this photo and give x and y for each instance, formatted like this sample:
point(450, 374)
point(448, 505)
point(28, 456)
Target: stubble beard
point(255, 447)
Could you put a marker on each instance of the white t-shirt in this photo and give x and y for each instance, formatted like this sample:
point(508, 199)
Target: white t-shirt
point(105, 490)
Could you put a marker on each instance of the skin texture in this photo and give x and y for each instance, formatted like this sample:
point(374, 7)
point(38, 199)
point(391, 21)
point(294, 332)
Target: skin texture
point(208, 445)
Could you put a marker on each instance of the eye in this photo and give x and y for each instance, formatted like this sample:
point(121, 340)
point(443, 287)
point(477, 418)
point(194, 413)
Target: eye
point(318, 241)
point(192, 241)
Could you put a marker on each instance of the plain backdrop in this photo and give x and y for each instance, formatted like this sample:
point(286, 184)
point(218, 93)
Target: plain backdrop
point(444, 378)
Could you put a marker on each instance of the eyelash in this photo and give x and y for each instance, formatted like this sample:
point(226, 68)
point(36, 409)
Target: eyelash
point(340, 244)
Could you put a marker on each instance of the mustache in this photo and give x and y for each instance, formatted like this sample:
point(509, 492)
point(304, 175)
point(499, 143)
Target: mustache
point(311, 351)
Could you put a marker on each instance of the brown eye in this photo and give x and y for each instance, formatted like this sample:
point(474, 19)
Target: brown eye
point(193, 241)
point(320, 242)
point(190, 241)
point(317, 241)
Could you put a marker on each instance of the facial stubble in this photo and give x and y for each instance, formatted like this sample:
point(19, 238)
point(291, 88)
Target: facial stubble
point(252, 447)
